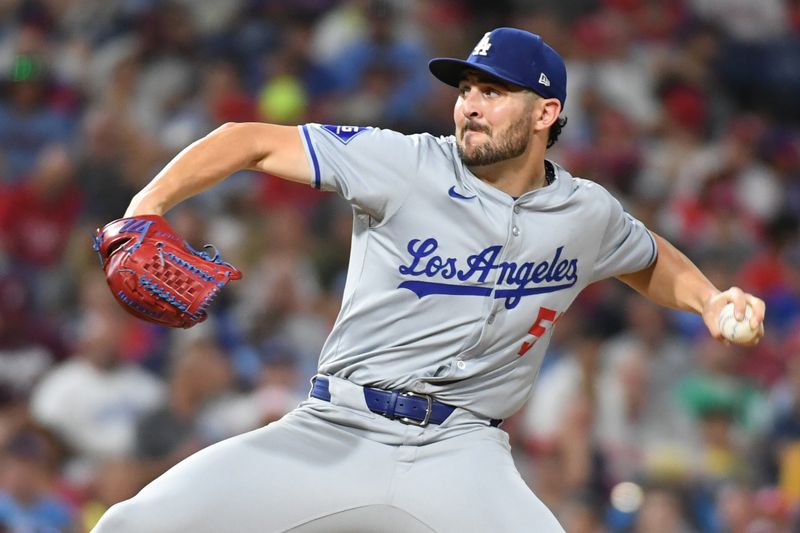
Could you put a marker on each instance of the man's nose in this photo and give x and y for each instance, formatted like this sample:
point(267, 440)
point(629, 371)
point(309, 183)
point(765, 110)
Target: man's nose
point(470, 104)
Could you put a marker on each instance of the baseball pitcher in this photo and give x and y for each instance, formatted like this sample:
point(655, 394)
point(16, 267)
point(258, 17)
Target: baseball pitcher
point(466, 251)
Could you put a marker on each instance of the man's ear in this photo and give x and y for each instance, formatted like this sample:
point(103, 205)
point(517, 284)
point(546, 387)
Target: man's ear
point(546, 113)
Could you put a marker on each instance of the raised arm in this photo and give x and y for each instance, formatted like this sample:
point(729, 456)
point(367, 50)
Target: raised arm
point(674, 281)
point(270, 148)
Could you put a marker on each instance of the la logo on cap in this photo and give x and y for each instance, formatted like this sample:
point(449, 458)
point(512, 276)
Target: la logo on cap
point(483, 45)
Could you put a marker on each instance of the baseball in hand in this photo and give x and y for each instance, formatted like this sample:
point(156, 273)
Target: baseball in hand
point(738, 331)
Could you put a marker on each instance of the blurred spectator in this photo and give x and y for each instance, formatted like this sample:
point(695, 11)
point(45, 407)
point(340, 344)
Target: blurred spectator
point(28, 345)
point(683, 125)
point(29, 121)
point(94, 400)
point(784, 435)
point(567, 472)
point(661, 512)
point(167, 74)
point(743, 509)
point(281, 295)
point(367, 103)
point(175, 429)
point(137, 341)
point(604, 69)
point(723, 457)
point(381, 51)
point(37, 220)
point(28, 497)
point(332, 224)
point(38, 214)
point(224, 96)
point(582, 514)
point(101, 171)
point(337, 29)
point(715, 388)
point(14, 414)
point(773, 272)
point(724, 192)
point(638, 427)
point(281, 386)
point(746, 21)
point(565, 374)
point(117, 67)
point(773, 510)
point(296, 82)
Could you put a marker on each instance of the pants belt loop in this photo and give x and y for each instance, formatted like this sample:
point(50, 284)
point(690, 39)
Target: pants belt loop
point(392, 404)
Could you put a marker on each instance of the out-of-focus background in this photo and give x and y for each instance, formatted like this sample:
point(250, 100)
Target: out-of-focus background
point(688, 110)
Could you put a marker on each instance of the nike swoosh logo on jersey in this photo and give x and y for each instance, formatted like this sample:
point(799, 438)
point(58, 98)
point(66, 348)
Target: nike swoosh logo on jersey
point(453, 194)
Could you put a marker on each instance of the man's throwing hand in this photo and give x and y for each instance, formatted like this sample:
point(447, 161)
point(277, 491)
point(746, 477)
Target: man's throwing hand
point(713, 313)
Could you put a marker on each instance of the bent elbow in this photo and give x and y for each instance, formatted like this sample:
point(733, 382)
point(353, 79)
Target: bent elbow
point(226, 126)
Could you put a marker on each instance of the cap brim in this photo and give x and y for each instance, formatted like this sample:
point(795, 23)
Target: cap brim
point(451, 71)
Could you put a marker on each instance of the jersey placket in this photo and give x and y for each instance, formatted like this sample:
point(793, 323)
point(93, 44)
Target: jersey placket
point(496, 305)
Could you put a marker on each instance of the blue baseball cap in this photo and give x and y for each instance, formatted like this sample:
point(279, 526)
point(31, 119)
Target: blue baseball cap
point(514, 56)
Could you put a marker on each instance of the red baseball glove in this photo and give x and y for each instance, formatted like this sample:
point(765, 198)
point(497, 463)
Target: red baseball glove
point(155, 275)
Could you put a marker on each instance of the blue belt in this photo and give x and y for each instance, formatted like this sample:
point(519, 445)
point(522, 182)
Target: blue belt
point(408, 407)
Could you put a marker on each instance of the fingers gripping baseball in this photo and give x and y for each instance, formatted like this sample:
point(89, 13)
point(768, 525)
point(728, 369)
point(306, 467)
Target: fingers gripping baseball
point(745, 326)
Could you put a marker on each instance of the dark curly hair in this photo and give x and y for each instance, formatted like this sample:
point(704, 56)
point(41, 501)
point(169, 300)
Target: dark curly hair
point(555, 131)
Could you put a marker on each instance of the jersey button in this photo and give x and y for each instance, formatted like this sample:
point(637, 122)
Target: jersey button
point(516, 209)
point(515, 231)
point(490, 319)
point(461, 365)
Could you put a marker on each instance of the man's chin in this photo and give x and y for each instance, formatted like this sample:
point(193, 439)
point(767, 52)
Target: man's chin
point(479, 158)
point(472, 159)
point(471, 149)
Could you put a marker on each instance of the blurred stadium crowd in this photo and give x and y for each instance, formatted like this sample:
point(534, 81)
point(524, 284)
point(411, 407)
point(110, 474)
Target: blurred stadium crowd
point(687, 109)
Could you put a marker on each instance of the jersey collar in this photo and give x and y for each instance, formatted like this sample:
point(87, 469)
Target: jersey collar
point(554, 192)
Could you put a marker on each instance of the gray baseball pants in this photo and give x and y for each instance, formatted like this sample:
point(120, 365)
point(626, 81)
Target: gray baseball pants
point(336, 467)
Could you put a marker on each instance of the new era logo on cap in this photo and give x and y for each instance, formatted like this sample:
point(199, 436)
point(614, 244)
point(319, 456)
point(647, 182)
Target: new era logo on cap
point(512, 55)
point(544, 80)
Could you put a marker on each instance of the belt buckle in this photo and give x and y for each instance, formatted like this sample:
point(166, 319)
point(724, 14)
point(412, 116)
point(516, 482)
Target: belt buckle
point(428, 410)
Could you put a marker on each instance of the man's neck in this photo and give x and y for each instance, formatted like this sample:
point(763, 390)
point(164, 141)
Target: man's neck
point(513, 179)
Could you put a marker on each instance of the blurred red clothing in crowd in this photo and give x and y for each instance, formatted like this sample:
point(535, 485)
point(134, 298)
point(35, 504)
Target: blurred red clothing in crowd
point(36, 223)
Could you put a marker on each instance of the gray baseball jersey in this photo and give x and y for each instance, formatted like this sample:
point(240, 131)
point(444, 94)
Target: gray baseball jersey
point(453, 290)
point(454, 287)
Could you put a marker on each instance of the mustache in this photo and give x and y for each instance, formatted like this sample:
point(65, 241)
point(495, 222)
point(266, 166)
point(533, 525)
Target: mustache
point(471, 125)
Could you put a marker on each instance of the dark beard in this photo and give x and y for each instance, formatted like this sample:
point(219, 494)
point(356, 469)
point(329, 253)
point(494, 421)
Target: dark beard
point(512, 146)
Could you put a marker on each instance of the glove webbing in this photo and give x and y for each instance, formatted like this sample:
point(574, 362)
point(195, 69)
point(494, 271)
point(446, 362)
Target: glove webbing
point(164, 294)
point(203, 274)
point(152, 287)
point(135, 305)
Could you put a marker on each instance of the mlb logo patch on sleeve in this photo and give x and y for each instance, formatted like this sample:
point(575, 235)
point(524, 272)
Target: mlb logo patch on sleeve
point(345, 133)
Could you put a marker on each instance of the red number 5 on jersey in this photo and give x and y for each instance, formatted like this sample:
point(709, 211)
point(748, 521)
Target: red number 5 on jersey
point(546, 318)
